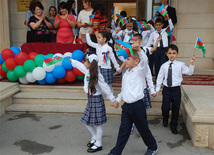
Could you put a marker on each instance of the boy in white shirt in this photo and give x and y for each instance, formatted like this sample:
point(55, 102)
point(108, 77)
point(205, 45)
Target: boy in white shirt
point(134, 110)
point(170, 75)
point(159, 56)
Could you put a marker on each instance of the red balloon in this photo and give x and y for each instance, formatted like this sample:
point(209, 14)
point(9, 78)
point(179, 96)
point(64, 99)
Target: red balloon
point(62, 80)
point(7, 53)
point(70, 75)
point(77, 71)
point(10, 63)
point(21, 58)
point(2, 72)
point(32, 55)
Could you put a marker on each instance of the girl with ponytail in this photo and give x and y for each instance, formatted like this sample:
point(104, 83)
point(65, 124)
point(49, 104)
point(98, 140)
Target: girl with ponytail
point(94, 115)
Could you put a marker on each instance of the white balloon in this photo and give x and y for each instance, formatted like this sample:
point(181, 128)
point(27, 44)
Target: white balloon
point(58, 54)
point(30, 78)
point(48, 68)
point(39, 73)
point(23, 80)
point(67, 54)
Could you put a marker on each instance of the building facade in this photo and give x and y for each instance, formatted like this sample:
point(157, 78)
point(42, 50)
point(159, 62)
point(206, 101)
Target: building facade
point(195, 18)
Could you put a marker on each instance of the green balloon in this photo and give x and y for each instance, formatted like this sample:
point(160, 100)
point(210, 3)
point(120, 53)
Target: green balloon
point(19, 71)
point(80, 77)
point(5, 69)
point(11, 76)
point(50, 55)
point(39, 60)
point(29, 65)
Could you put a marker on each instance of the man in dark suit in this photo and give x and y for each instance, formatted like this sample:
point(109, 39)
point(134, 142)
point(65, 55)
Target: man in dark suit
point(171, 11)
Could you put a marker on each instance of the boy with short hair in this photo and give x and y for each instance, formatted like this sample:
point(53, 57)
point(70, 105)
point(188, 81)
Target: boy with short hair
point(160, 54)
point(134, 110)
point(170, 75)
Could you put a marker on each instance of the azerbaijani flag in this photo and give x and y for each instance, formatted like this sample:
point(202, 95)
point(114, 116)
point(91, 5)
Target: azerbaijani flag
point(122, 19)
point(125, 49)
point(170, 34)
point(162, 10)
point(142, 25)
point(153, 18)
point(199, 44)
point(51, 60)
point(112, 10)
point(91, 17)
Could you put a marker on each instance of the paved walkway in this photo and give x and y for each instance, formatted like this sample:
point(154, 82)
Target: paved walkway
point(64, 134)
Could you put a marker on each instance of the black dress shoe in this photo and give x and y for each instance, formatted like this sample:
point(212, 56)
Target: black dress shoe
point(165, 123)
point(174, 131)
point(90, 150)
point(90, 144)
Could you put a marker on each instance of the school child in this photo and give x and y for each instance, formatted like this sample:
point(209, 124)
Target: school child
point(128, 31)
point(94, 115)
point(170, 75)
point(133, 110)
point(105, 54)
point(137, 39)
point(160, 54)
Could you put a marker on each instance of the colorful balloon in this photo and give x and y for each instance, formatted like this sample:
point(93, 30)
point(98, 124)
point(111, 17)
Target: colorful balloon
point(19, 71)
point(7, 53)
point(77, 55)
point(16, 50)
point(39, 73)
point(39, 60)
point(23, 80)
point(10, 63)
point(77, 71)
point(70, 76)
point(11, 76)
point(59, 72)
point(29, 65)
point(4, 67)
point(49, 78)
point(32, 55)
point(2, 72)
point(30, 78)
point(21, 58)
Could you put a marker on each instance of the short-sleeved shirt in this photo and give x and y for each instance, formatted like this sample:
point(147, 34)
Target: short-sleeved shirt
point(83, 17)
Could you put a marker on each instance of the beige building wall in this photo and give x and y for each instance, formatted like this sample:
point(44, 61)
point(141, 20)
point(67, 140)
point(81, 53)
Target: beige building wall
point(195, 18)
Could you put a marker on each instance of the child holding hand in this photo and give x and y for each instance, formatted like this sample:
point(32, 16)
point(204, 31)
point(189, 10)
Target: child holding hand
point(94, 115)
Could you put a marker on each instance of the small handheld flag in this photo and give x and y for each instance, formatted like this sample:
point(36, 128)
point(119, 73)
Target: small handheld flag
point(125, 49)
point(153, 18)
point(199, 44)
point(162, 10)
point(122, 19)
point(142, 25)
point(112, 11)
point(51, 60)
point(170, 34)
point(91, 17)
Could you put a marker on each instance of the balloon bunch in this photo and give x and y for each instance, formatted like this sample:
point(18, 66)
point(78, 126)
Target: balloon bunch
point(28, 68)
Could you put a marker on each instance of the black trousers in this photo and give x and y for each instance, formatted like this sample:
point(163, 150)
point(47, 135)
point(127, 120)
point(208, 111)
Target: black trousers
point(133, 113)
point(159, 58)
point(171, 98)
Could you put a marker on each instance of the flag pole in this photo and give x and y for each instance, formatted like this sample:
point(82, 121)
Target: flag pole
point(195, 45)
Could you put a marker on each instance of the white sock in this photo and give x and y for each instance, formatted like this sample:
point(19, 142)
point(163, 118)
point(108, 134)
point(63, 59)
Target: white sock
point(93, 133)
point(99, 135)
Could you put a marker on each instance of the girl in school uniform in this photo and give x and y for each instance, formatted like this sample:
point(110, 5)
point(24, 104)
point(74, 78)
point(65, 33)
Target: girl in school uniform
point(127, 34)
point(94, 115)
point(105, 54)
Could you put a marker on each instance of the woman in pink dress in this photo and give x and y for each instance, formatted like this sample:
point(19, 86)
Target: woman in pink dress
point(64, 22)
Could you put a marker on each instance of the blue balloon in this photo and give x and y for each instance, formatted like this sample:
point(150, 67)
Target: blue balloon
point(15, 50)
point(77, 55)
point(49, 78)
point(66, 63)
point(59, 72)
point(1, 60)
point(42, 82)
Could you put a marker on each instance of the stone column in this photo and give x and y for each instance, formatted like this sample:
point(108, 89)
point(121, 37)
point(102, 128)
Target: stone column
point(4, 25)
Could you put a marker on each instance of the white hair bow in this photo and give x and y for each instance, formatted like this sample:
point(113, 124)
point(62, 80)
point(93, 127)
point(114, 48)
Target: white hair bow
point(92, 57)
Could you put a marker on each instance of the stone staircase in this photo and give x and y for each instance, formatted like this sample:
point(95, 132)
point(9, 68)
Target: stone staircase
point(63, 99)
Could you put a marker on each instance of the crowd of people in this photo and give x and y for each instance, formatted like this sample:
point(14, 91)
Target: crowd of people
point(148, 47)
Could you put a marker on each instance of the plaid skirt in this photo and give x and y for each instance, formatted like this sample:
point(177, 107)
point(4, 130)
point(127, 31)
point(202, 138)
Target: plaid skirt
point(146, 99)
point(95, 111)
point(108, 75)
